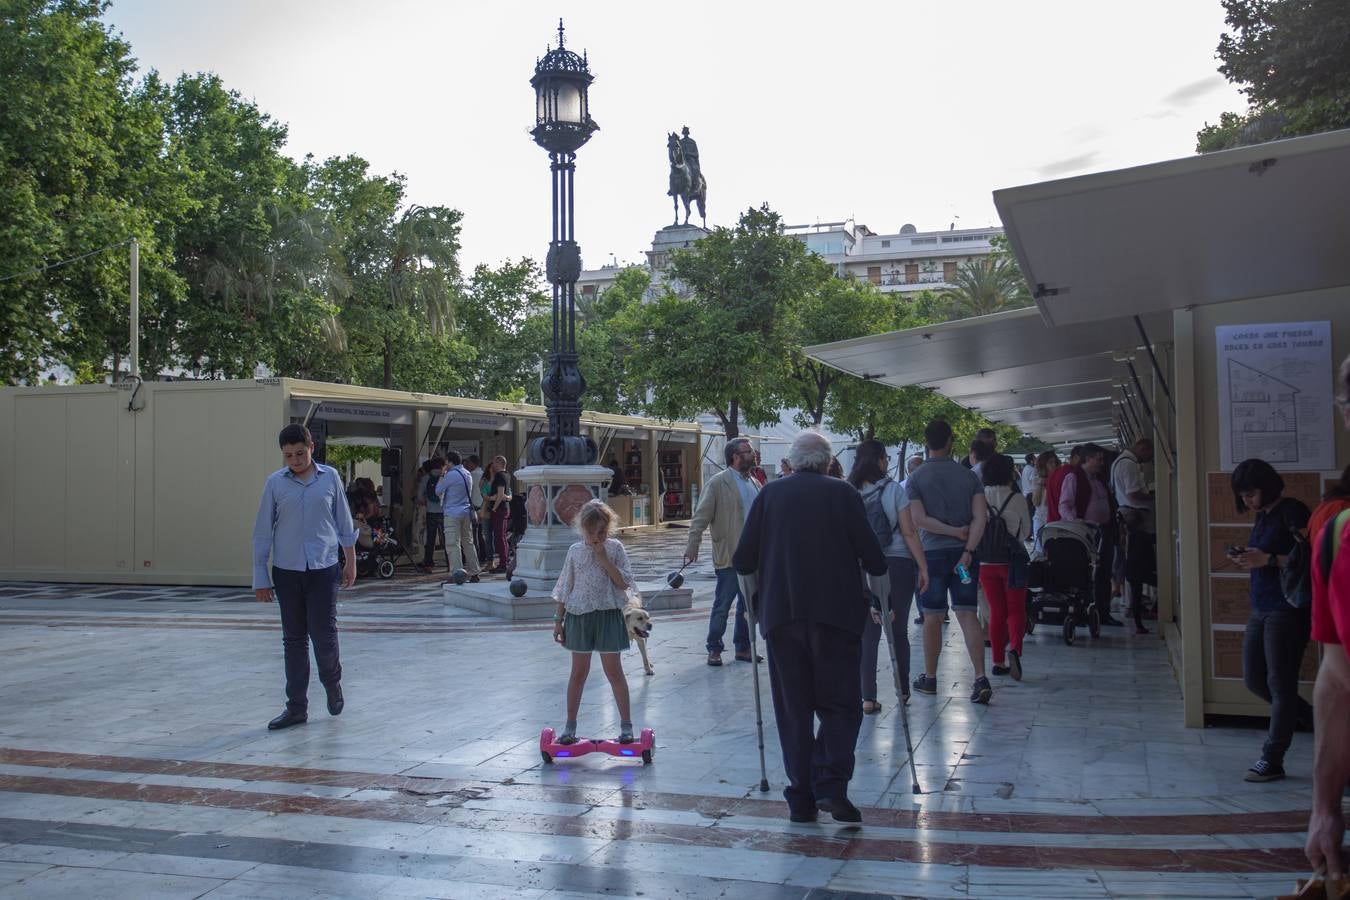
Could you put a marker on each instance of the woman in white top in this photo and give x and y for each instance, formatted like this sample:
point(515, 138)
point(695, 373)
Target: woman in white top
point(1003, 568)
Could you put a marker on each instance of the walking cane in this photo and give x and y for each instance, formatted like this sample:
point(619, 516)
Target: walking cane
point(886, 626)
point(749, 585)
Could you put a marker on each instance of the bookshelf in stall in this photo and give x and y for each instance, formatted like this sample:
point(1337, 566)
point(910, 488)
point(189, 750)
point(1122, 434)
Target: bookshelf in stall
point(675, 493)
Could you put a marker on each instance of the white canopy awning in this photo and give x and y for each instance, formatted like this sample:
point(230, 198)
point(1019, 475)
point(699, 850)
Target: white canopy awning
point(1009, 366)
point(1257, 221)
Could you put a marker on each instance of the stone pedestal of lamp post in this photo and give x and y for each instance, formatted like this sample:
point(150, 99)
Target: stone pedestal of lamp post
point(554, 495)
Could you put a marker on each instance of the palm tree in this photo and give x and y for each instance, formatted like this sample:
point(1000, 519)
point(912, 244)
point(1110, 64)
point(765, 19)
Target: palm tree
point(423, 268)
point(985, 285)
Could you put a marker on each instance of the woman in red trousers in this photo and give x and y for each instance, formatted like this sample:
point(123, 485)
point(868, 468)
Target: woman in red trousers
point(1003, 564)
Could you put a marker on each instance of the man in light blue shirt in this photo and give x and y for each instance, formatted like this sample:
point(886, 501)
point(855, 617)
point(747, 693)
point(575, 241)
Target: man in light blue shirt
point(456, 492)
point(303, 519)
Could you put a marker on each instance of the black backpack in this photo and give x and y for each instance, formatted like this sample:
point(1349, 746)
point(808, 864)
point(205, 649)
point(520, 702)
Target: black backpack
point(874, 505)
point(1296, 574)
point(996, 543)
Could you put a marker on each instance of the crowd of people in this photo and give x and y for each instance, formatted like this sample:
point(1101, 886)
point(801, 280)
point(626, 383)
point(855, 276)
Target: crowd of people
point(825, 551)
point(466, 511)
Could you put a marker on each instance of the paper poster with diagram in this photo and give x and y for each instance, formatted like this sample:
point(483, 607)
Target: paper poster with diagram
point(1275, 387)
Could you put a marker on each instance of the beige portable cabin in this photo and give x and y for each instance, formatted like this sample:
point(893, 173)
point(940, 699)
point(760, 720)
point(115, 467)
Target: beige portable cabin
point(1159, 291)
point(158, 483)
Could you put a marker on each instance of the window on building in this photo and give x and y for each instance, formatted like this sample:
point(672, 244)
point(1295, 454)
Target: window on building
point(588, 290)
point(949, 272)
point(885, 243)
point(874, 274)
point(911, 273)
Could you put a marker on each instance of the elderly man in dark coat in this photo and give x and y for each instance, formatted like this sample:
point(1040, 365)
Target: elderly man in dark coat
point(804, 541)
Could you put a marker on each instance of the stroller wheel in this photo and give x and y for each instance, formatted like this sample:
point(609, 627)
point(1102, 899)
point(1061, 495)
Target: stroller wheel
point(1094, 622)
point(1070, 627)
point(386, 568)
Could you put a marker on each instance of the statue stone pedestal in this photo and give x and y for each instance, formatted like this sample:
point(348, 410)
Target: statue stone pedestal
point(554, 495)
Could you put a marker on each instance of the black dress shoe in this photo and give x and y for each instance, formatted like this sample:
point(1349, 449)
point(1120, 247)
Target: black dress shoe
point(335, 701)
point(288, 718)
point(840, 809)
point(806, 815)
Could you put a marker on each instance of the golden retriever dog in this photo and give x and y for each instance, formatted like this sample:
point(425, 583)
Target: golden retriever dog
point(639, 624)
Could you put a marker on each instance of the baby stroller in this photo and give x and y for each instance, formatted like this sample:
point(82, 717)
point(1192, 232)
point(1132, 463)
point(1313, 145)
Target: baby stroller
point(378, 558)
point(515, 530)
point(1061, 580)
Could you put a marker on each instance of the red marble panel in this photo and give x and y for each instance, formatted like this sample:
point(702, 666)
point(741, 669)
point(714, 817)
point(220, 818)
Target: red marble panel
point(569, 502)
point(536, 505)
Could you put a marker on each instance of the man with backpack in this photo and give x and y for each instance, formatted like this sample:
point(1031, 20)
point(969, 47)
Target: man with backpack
point(435, 527)
point(950, 511)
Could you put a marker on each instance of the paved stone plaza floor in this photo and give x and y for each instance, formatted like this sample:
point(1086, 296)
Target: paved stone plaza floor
point(135, 762)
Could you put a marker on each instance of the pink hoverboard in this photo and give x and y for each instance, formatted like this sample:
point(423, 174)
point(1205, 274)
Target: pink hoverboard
point(643, 747)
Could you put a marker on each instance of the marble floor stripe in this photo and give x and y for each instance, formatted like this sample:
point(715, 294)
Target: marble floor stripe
point(1289, 821)
point(847, 843)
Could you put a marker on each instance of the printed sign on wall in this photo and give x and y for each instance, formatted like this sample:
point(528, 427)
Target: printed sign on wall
point(1275, 386)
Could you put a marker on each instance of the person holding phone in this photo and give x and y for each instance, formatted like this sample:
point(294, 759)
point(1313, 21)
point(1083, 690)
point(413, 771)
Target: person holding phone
point(1277, 632)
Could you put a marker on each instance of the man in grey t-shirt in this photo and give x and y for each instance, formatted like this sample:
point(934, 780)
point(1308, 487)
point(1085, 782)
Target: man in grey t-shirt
point(949, 509)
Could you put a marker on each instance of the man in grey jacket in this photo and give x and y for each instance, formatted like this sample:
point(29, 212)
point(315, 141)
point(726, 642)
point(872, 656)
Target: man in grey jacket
point(725, 503)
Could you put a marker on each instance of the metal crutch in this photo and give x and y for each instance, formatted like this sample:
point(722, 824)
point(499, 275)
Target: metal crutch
point(884, 594)
point(749, 584)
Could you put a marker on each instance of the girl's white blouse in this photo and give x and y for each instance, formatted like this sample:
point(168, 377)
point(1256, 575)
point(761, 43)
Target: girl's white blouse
point(584, 586)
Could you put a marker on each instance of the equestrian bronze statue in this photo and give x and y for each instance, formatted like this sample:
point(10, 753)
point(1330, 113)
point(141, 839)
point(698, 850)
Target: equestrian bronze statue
point(686, 177)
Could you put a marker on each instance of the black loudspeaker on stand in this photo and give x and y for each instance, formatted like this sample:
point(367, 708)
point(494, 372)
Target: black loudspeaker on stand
point(391, 461)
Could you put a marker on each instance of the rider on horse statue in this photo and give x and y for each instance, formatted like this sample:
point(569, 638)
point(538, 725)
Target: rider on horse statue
point(686, 176)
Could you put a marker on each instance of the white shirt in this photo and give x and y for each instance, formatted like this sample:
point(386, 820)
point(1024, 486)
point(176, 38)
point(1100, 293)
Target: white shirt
point(1127, 478)
point(1028, 479)
point(584, 585)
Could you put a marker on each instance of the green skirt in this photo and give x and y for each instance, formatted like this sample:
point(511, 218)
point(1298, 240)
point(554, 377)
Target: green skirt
point(601, 631)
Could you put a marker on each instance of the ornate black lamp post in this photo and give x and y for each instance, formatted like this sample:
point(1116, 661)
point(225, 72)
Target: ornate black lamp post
point(563, 124)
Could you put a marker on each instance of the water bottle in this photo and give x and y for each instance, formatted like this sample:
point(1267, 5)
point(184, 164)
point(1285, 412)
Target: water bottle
point(963, 573)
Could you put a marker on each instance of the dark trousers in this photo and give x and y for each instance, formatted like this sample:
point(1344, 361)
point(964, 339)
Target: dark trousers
point(499, 518)
point(1141, 568)
point(813, 674)
point(435, 529)
point(308, 603)
point(904, 574)
point(728, 589)
point(480, 543)
point(1272, 652)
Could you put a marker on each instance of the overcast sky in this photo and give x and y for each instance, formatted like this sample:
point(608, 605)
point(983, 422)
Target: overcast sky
point(883, 112)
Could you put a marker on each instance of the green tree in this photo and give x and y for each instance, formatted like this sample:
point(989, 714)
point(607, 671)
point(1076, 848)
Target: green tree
point(503, 316)
point(834, 310)
point(227, 247)
point(1292, 60)
point(724, 346)
point(84, 165)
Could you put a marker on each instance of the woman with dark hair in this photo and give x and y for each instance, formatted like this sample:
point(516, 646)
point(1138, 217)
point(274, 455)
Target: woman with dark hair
point(1003, 570)
point(1277, 632)
point(905, 564)
point(499, 509)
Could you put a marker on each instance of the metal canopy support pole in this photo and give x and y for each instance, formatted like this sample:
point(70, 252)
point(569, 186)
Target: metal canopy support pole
point(135, 308)
point(1157, 426)
point(1157, 370)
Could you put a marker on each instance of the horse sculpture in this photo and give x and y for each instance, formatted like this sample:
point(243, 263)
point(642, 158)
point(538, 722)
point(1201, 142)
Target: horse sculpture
point(685, 183)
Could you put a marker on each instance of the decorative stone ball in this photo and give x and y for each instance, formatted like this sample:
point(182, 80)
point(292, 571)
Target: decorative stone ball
point(518, 587)
point(675, 579)
point(459, 576)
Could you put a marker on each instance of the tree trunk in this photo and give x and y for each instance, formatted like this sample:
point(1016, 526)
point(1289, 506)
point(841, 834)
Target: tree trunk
point(388, 363)
point(731, 421)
